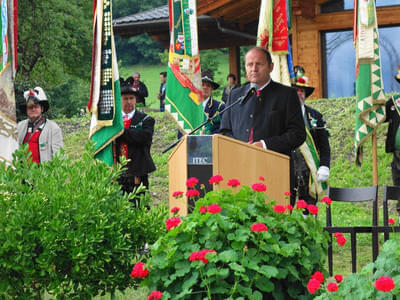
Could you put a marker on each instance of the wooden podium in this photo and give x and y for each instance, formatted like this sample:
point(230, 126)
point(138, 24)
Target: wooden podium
point(203, 156)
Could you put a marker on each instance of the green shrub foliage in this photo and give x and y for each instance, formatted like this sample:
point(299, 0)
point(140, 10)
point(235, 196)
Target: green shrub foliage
point(65, 228)
point(246, 264)
point(362, 286)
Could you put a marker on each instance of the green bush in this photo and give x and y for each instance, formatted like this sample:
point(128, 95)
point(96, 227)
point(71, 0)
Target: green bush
point(362, 286)
point(66, 229)
point(246, 264)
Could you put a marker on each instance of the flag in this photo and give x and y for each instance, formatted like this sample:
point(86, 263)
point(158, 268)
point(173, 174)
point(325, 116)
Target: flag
point(272, 34)
point(105, 92)
point(8, 119)
point(370, 111)
point(183, 96)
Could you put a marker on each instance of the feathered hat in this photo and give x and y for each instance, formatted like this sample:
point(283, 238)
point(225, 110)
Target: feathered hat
point(301, 81)
point(35, 96)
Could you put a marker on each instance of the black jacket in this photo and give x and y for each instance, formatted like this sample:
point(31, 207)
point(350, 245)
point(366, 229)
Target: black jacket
point(139, 137)
point(320, 135)
point(275, 117)
point(392, 116)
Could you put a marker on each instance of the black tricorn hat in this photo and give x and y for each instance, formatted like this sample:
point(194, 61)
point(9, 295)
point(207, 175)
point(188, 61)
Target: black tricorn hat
point(35, 95)
point(126, 86)
point(207, 75)
point(301, 82)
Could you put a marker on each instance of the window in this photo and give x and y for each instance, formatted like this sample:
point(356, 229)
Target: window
point(339, 61)
point(341, 5)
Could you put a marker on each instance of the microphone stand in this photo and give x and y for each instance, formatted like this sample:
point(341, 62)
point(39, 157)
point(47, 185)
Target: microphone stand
point(239, 100)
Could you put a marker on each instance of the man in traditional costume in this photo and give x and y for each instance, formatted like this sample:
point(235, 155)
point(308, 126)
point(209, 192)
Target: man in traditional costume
point(135, 142)
point(393, 136)
point(312, 159)
point(163, 90)
point(43, 136)
point(271, 117)
point(139, 87)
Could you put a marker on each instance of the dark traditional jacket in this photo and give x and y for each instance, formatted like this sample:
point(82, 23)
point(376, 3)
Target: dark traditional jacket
point(275, 117)
point(392, 116)
point(139, 137)
point(320, 135)
point(213, 108)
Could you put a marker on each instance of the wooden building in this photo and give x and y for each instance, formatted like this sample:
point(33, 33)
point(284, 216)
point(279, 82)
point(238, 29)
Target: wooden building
point(233, 23)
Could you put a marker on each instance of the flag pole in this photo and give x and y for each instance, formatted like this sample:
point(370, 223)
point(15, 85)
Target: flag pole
point(374, 160)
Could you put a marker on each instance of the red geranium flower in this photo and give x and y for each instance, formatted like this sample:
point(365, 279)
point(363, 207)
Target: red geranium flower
point(233, 182)
point(154, 295)
point(301, 80)
point(201, 255)
point(300, 204)
point(191, 182)
point(340, 238)
point(287, 194)
point(318, 276)
point(139, 270)
point(261, 178)
point(259, 227)
point(215, 179)
point(312, 209)
point(177, 194)
point(214, 208)
point(313, 285)
point(203, 209)
point(327, 200)
point(192, 193)
point(338, 278)
point(174, 209)
point(279, 209)
point(172, 222)
point(289, 207)
point(259, 187)
point(332, 287)
point(391, 221)
point(384, 284)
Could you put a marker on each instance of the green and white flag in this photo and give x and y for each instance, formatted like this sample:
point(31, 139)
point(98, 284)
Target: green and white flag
point(183, 95)
point(370, 111)
point(105, 92)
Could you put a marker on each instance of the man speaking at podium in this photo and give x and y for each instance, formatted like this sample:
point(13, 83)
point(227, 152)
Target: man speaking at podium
point(269, 115)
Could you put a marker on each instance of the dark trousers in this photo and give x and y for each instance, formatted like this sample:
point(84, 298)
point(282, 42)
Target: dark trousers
point(127, 182)
point(396, 173)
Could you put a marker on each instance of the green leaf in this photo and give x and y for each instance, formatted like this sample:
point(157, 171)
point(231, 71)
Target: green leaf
point(188, 282)
point(228, 256)
point(236, 267)
point(256, 296)
point(269, 271)
point(182, 267)
point(264, 284)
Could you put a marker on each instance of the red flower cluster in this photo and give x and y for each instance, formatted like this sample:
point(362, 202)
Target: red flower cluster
point(384, 284)
point(289, 207)
point(259, 227)
point(154, 295)
point(215, 179)
point(327, 200)
point(177, 194)
point(201, 255)
point(203, 209)
point(139, 270)
point(301, 204)
point(313, 285)
point(191, 182)
point(261, 178)
point(332, 287)
point(391, 221)
point(259, 187)
point(279, 209)
point(287, 194)
point(312, 209)
point(340, 238)
point(233, 182)
point(174, 209)
point(318, 276)
point(214, 208)
point(338, 278)
point(172, 222)
point(192, 193)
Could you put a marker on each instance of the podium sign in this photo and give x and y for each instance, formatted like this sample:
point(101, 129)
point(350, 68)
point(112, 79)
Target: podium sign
point(206, 155)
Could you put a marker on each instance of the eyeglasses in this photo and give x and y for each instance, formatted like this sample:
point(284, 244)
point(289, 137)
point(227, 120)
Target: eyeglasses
point(33, 106)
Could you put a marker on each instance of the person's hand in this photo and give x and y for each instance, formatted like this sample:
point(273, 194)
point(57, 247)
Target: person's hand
point(323, 173)
point(158, 95)
point(258, 144)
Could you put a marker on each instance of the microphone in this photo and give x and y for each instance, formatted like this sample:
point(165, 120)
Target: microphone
point(253, 87)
